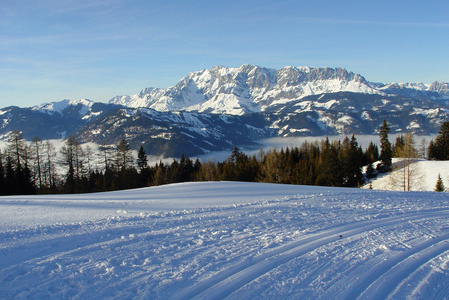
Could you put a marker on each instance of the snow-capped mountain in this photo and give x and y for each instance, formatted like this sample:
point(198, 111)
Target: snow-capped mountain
point(250, 89)
point(51, 120)
point(65, 104)
point(218, 108)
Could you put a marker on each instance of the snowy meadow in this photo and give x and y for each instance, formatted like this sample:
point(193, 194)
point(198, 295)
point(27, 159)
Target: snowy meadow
point(214, 240)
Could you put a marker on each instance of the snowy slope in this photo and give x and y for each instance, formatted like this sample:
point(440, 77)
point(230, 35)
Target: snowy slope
point(221, 239)
point(424, 176)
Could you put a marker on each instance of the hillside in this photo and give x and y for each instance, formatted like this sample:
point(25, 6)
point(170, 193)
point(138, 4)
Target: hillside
point(214, 240)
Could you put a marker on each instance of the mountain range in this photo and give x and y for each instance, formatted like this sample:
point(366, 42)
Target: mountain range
point(218, 108)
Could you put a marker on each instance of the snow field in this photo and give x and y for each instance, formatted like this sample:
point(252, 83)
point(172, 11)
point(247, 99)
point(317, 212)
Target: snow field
point(231, 240)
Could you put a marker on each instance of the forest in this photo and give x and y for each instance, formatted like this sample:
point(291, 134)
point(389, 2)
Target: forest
point(36, 167)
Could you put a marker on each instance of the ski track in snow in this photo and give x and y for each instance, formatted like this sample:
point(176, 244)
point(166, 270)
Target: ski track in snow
point(229, 281)
point(295, 242)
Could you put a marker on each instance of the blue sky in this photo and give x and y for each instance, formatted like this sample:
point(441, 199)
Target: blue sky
point(52, 50)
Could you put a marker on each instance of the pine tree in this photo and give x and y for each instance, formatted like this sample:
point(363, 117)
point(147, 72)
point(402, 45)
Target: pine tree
point(144, 171)
point(142, 159)
point(68, 153)
point(10, 177)
point(330, 172)
point(439, 149)
point(19, 151)
point(2, 176)
point(26, 181)
point(439, 187)
point(370, 172)
point(372, 153)
point(398, 146)
point(350, 156)
point(386, 153)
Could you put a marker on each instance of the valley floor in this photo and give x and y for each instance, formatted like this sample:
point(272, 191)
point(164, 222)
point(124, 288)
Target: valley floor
point(213, 240)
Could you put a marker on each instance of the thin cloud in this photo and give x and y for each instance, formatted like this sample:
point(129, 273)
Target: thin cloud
point(365, 22)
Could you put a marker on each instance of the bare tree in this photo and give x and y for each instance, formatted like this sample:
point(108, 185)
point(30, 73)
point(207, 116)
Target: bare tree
point(422, 152)
point(89, 158)
point(106, 155)
point(50, 175)
point(73, 157)
point(17, 148)
point(37, 147)
point(123, 155)
point(406, 175)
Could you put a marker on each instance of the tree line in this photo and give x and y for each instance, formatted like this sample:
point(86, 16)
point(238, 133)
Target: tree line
point(37, 167)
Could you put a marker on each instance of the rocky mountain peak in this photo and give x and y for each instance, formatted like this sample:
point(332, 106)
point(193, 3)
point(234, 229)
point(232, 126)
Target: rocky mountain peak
point(248, 88)
point(440, 87)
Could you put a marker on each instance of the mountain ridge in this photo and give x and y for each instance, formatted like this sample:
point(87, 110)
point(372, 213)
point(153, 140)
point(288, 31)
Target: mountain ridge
point(250, 88)
point(218, 108)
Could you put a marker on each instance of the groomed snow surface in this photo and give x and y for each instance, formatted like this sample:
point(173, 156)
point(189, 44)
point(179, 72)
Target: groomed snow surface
point(215, 240)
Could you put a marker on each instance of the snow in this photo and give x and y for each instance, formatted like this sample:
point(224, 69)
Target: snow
point(424, 176)
point(214, 240)
point(249, 89)
point(241, 90)
point(366, 116)
point(61, 105)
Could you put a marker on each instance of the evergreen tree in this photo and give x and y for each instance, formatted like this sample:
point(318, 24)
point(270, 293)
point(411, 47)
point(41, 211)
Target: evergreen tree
point(109, 179)
point(372, 153)
point(439, 149)
point(22, 178)
point(432, 150)
point(142, 159)
point(26, 182)
point(10, 177)
point(439, 187)
point(351, 160)
point(68, 159)
point(144, 171)
point(330, 172)
point(2, 177)
point(370, 172)
point(386, 153)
